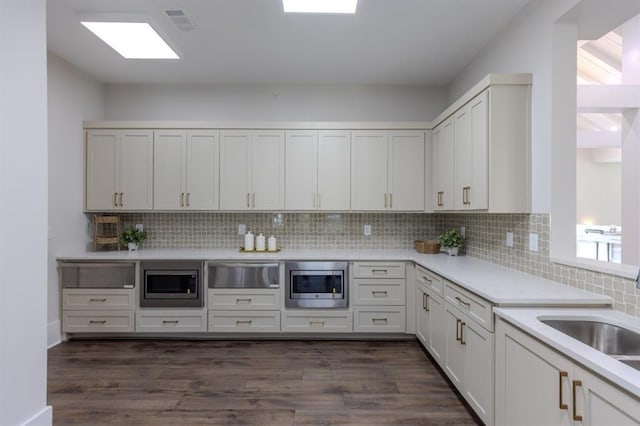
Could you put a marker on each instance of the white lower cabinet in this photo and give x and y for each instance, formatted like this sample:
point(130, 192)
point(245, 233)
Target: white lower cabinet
point(244, 321)
point(171, 320)
point(468, 358)
point(430, 321)
point(317, 321)
point(535, 385)
point(379, 319)
point(97, 322)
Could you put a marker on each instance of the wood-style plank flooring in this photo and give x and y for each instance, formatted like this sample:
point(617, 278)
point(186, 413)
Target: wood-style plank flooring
point(177, 382)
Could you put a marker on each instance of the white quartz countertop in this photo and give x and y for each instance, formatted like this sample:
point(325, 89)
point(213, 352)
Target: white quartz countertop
point(528, 320)
point(499, 285)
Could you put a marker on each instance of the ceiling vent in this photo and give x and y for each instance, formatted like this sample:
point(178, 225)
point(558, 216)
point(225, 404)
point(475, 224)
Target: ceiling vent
point(180, 20)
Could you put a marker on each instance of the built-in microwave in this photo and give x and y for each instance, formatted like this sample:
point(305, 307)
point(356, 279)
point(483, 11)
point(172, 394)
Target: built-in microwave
point(317, 284)
point(175, 284)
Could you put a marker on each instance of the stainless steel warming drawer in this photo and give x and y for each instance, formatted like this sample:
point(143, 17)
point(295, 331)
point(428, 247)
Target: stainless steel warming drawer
point(244, 275)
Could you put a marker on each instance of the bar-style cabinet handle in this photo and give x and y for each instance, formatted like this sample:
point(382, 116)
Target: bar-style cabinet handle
point(390, 200)
point(115, 199)
point(101, 300)
point(576, 416)
point(254, 200)
point(426, 305)
point(188, 203)
point(561, 404)
point(462, 326)
point(170, 321)
point(458, 332)
point(97, 322)
point(121, 199)
point(248, 200)
point(182, 199)
point(385, 200)
point(424, 301)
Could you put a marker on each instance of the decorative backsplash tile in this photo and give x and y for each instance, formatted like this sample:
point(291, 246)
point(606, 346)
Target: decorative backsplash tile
point(485, 239)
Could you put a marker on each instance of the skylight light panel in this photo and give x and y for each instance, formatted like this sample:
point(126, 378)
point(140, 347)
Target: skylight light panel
point(132, 40)
point(319, 6)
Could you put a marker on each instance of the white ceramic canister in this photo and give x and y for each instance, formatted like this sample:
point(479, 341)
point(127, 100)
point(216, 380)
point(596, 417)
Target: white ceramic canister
point(271, 245)
point(260, 242)
point(248, 241)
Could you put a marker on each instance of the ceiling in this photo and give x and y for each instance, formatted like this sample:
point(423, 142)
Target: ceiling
point(391, 42)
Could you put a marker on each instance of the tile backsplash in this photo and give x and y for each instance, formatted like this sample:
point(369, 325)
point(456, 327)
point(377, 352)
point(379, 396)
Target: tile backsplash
point(485, 239)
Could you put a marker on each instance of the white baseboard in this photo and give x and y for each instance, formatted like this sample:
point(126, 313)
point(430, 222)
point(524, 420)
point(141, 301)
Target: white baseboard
point(53, 334)
point(43, 418)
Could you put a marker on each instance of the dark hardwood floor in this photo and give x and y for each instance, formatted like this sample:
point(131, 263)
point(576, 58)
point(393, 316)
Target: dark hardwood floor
point(177, 382)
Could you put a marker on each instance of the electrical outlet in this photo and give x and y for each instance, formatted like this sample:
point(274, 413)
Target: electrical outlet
point(463, 231)
point(367, 230)
point(509, 239)
point(533, 242)
point(139, 227)
point(242, 229)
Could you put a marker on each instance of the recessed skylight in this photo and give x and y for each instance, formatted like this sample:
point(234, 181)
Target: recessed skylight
point(319, 6)
point(132, 40)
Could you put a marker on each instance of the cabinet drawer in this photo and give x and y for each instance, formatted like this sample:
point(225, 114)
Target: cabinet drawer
point(380, 319)
point(244, 322)
point(379, 292)
point(430, 280)
point(244, 299)
point(164, 321)
point(378, 270)
point(101, 322)
point(98, 300)
point(474, 306)
point(317, 322)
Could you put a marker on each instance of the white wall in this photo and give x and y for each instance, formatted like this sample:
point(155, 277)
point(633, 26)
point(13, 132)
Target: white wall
point(23, 213)
point(525, 45)
point(73, 97)
point(598, 190)
point(273, 103)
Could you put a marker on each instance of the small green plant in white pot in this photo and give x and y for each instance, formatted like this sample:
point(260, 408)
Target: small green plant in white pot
point(132, 238)
point(451, 240)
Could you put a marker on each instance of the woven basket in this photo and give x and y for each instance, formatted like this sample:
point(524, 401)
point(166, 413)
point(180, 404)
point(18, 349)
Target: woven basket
point(428, 247)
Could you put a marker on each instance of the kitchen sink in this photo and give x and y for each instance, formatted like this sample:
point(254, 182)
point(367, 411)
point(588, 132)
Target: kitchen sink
point(607, 338)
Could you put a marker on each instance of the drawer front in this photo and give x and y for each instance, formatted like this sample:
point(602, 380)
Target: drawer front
point(430, 280)
point(97, 322)
point(171, 322)
point(244, 322)
point(227, 299)
point(98, 300)
point(379, 292)
point(474, 306)
point(318, 322)
point(380, 319)
point(378, 270)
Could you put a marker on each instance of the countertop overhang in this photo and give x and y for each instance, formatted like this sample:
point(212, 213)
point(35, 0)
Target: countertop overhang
point(497, 284)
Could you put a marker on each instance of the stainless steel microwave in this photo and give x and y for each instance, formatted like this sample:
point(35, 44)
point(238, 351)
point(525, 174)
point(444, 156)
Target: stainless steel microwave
point(317, 284)
point(171, 284)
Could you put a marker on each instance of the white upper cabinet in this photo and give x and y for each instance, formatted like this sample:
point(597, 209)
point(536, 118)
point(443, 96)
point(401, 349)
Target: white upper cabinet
point(442, 166)
point(186, 169)
point(481, 148)
point(317, 170)
point(119, 171)
point(387, 170)
point(252, 170)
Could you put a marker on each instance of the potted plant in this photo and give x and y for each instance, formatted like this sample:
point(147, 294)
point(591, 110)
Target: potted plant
point(451, 240)
point(132, 238)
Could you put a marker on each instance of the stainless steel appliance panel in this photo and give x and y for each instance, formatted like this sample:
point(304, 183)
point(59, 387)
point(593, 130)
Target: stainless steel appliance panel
point(97, 275)
point(244, 275)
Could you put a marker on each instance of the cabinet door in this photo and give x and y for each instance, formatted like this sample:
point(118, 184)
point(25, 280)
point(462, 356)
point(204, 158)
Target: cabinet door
point(301, 170)
point(136, 170)
point(169, 169)
point(532, 381)
point(334, 165)
point(406, 170)
point(422, 324)
point(102, 169)
point(369, 154)
point(472, 138)
point(478, 369)
point(600, 404)
point(454, 351)
point(203, 170)
point(267, 170)
point(436, 326)
point(234, 170)
point(443, 163)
